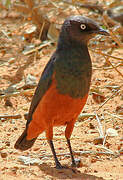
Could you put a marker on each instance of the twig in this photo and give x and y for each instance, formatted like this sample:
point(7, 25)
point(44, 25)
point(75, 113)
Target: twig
point(100, 126)
point(85, 115)
point(24, 92)
point(114, 67)
point(104, 139)
point(54, 4)
point(99, 52)
point(118, 65)
point(81, 153)
point(116, 116)
point(16, 116)
point(114, 94)
point(105, 135)
point(107, 68)
point(94, 153)
point(108, 61)
point(38, 48)
point(61, 137)
point(105, 148)
point(102, 46)
point(113, 35)
point(41, 31)
point(5, 34)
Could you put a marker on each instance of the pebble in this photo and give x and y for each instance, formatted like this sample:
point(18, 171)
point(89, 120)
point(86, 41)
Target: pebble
point(111, 132)
point(7, 143)
point(3, 154)
point(11, 60)
point(98, 140)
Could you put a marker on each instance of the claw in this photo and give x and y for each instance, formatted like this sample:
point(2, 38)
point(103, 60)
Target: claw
point(59, 166)
point(76, 163)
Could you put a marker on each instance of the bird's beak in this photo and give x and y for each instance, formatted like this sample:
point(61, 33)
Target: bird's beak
point(103, 32)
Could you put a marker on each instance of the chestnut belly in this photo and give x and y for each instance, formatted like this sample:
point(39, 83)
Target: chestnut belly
point(54, 109)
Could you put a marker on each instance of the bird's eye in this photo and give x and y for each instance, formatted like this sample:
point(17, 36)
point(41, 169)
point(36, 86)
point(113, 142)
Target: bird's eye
point(83, 26)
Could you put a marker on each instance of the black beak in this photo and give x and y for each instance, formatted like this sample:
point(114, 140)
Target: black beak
point(103, 32)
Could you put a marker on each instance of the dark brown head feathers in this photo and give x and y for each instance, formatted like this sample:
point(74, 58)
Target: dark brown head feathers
point(81, 29)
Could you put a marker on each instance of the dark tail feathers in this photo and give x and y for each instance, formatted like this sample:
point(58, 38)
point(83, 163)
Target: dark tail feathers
point(22, 143)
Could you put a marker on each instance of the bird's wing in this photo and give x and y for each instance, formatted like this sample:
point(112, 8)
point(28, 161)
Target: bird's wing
point(43, 85)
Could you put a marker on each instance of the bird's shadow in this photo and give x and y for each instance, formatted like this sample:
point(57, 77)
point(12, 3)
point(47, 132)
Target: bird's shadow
point(66, 173)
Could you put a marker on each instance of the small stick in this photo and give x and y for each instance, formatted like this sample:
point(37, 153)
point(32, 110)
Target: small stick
point(100, 126)
point(24, 92)
point(113, 35)
point(105, 135)
point(61, 138)
point(93, 152)
point(16, 116)
point(114, 67)
point(118, 65)
point(38, 48)
point(85, 115)
point(81, 153)
point(102, 46)
point(5, 34)
point(107, 68)
point(99, 52)
point(41, 31)
point(54, 4)
point(104, 139)
point(114, 94)
point(103, 147)
point(114, 115)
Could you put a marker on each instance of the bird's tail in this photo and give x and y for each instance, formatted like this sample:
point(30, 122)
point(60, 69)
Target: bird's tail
point(22, 143)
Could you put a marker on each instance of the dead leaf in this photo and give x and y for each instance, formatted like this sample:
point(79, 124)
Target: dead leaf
point(98, 140)
point(98, 98)
point(119, 110)
point(27, 160)
point(30, 33)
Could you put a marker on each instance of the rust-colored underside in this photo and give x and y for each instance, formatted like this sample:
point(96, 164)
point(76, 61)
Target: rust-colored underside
point(55, 109)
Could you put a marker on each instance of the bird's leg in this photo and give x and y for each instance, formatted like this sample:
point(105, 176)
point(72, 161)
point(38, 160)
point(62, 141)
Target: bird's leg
point(71, 152)
point(58, 165)
point(68, 133)
point(49, 135)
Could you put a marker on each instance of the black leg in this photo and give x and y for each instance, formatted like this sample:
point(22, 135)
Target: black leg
point(58, 165)
point(71, 152)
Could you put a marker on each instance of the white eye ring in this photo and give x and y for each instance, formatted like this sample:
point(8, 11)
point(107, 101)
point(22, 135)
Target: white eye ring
point(83, 26)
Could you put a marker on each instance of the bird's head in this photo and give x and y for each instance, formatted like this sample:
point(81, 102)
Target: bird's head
point(80, 29)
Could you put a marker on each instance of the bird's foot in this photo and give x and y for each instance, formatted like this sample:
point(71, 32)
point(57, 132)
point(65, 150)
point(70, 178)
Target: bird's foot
point(59, 166)
point(76, 163)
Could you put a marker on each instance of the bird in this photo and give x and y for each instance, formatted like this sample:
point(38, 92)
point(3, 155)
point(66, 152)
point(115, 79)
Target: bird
point(63, 87)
